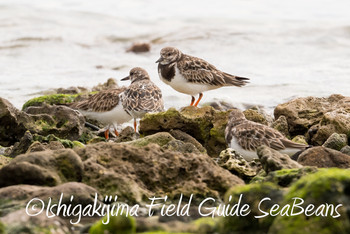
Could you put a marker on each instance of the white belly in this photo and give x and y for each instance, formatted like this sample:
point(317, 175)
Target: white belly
point(115, 116)
point(180, 84)
point(247, 154)
point(250, 155)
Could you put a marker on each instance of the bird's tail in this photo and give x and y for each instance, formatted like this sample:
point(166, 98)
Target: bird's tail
point(235, 80)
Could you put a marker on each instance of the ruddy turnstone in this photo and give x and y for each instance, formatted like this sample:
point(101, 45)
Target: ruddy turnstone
point(142, 96)
point(105, 107)
point(191, 75)
point(246, 136)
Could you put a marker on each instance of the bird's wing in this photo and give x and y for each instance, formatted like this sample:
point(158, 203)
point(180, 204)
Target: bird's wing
point(251, 135)
point(197, 70)
point(100, 102)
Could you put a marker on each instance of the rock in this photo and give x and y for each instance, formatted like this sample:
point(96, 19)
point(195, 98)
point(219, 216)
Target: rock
point(22, 146)
point(53, 99)
point(337, 121)
point(160, 138)
point(19, 222)
point(284, 177)
point(12, 123)
point(61, 121)
point(272, 160)
point(182, 136)
point(139, 48)
point(4, 161)
point(281, 125)
point(137, 173)
point(300, 139)
point(48, 168)
point(251, 194)
point(331, 114)
point(236, 164)
point(166, 141)
point(205, 124)
point(255, 116)
point(336, 141)
point(117, 224)
point(127, 134)
point(345, 150)
point(37, 146)
point(180, 146)
point(220, 105)
point(324, 157)
point(17, 196)
point(324, 190)
point(111, 83)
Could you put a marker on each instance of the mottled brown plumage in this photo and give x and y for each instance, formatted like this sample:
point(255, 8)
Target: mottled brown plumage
point(142, 96)
point(244, 135)
point(100, 102)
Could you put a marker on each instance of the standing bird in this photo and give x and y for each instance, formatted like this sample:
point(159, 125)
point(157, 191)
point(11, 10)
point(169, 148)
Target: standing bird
point(105, 107)
point(142, 96)
point(246, 136)
point(191, 75)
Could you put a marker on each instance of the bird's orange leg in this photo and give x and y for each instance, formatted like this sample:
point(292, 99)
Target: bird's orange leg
point(192, 101)
point(107, 134)
point(116, 132)
point(200, 97)
point(135, 125)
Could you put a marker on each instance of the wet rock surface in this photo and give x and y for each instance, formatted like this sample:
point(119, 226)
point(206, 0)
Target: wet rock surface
point(324, 157)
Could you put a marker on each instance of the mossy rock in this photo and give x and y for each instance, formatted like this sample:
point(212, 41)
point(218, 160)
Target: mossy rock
point(163, 232)
point(57, 99)
point(2, 228)
point(120, 224)
point(324, 189)
point(205, 225)
point(284, 177)
point(251, 194)
point(300, 139)
point(255, 116)
point(46, 139)
point(205, 124)
point(160, 138)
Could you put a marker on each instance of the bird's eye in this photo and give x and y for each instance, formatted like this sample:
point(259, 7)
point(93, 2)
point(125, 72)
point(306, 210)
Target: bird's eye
point(169, 54)
point(131, 73)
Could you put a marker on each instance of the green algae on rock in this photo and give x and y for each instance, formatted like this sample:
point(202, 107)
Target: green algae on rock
point(284, 177)
point(48, 168)
point(53, 99)
point(336, 141)
point(322, 192)
point(251, 195)
point(204, 124)
point(121, 224)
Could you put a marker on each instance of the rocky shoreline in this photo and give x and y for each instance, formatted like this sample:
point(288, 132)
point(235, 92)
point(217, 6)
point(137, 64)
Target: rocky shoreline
point(46, 150)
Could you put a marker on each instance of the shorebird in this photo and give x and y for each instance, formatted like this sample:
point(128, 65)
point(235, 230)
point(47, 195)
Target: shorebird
point(105, 107)
point(191, 75)
point(246, 136)
point(142, 96)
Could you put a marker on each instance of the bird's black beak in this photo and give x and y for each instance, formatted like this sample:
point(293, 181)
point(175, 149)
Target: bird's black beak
point(126, 78)
point(159, 60)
